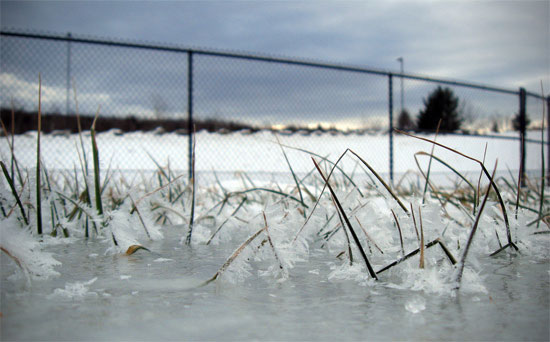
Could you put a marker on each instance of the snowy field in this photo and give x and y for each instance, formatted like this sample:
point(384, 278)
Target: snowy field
point(268, 259)
point(259, 154)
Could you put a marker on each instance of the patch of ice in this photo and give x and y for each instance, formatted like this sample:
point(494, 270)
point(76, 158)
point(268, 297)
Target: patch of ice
point(75, 291)
point(162, 260)
point(416, 304)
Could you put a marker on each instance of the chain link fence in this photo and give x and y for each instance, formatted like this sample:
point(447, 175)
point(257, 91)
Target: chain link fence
point(242, 106)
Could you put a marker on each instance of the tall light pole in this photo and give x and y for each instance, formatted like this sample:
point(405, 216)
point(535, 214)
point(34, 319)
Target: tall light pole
point(400, 60)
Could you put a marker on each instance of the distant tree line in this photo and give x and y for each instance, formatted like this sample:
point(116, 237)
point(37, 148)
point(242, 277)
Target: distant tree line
point(25, 121)
point(442, 105)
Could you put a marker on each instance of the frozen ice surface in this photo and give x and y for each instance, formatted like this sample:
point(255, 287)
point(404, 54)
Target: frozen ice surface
point(416, 304)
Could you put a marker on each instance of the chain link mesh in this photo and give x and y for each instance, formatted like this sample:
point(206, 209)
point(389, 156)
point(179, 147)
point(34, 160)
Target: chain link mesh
point(243, 106)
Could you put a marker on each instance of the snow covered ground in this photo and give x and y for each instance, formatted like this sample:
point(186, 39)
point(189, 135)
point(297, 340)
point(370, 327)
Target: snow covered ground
point(259, 154)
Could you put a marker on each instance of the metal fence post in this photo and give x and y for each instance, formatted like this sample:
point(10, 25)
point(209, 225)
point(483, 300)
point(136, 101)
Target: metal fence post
point(68, 73)
point(390, 109)
point(190, 110)
point(548, 138)
point(522, 128)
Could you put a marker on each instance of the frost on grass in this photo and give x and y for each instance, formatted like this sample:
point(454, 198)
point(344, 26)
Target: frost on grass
point(26, 251)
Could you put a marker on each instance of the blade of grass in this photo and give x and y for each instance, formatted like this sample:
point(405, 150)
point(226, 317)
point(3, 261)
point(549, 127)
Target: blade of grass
point(339, 207)
point(293, 174)
point(193, 181)
point(491, 180)
point(399, 230)
point(460, 270)
point(271, 244)
point(430, 166)
point(414, 222)
point(368, 236)
point(421, 265)
point(38, 190)
point(95, 155)
point(233, 257)
point(542, 170)
point(14, 192)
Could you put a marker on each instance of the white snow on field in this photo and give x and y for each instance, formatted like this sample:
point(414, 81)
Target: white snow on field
point(260, 153)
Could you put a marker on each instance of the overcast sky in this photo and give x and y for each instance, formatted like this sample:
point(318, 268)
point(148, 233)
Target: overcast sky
point(505, 43)
point(500, 43)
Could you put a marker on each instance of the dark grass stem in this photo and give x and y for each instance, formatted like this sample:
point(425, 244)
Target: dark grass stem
point(430, 244)
point(421, 264)
point(460, 269)
point(95, 155)
point(38, 189)
point(271, 244)
point(339, 207)
point(430, 164)
point(193, 189)
point(14, 192)
point(399, 230)
point(542, 146)
point(414, 223)
point(491, 181)
point(293, 176)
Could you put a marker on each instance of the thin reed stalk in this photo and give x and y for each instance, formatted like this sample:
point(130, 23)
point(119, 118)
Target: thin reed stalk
point(430, 164)
point(399, 230)
point(460, 269)
point(95, 155)
point(430, 244)
point(542, 169)
point(38, 189)
point(293, 175)
point(271, 244)
point(14, 192)
point(233, 256)
point(354, 235)
point(193, 190)
point(491, 180)
point(421, 264)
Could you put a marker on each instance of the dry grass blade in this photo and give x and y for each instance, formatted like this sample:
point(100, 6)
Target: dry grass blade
point(399, 230)
point(271, 243)
point(381, 181)
point(460, 270)
point(430, 164)
point(17, 262)
point(293, 174)
point(339, 207)
point(491, 180)
point(233, 257)
point(140, 218)
point(134, 248)
point(414, 223)
point(369, 237)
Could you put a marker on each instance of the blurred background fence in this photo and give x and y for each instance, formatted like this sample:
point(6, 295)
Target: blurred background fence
point(240, 104)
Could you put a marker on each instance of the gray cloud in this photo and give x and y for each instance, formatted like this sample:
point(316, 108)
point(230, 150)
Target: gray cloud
point(500, 43)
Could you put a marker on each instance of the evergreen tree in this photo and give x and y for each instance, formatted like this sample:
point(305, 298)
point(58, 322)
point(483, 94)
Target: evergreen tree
point(518, 124)
point(442, 105)
point(404, 121)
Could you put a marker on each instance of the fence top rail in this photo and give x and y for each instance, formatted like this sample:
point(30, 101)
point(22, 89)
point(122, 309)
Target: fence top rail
point(248, 56)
